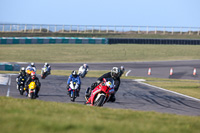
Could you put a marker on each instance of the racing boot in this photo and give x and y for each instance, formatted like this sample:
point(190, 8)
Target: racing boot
point(78, 92)
point(68, 92)
point(112, 98)
point(87, 92)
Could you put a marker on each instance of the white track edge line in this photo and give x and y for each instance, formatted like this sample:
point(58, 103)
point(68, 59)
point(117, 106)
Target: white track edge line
point(9, 82)
point(128, 72)
point(170, 91)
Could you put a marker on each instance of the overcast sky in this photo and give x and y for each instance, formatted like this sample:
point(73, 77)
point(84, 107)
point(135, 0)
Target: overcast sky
point(102, 12)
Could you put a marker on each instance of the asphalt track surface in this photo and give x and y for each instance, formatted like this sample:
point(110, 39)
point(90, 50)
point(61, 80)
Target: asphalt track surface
point(160, 69)
point(131, 94)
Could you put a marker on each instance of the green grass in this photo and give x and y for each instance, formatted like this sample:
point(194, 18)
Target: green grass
point(187, 87)
point(96, 53)
point(25, 115)
point(183, 86)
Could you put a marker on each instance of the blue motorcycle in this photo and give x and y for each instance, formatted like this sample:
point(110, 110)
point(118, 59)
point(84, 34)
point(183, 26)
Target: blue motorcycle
point(73, 90)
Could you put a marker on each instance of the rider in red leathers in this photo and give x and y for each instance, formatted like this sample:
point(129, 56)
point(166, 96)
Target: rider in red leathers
point(115, 75)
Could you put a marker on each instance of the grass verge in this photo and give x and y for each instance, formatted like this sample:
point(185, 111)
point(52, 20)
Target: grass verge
point(22, 115)
point(96, 53)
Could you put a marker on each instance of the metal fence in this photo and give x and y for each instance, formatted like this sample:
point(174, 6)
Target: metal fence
point(43, 28)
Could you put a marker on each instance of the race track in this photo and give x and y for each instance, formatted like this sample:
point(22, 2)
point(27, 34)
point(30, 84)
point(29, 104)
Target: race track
point(131, 95)
point(159, 69)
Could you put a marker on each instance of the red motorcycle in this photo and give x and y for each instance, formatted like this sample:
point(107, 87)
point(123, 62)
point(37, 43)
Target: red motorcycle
point(101, 94)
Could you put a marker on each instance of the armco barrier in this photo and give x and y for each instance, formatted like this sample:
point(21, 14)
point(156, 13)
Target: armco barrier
point(152, 41)
point(51, 40)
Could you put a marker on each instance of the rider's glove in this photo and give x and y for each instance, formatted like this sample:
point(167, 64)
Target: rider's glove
point(67, 86)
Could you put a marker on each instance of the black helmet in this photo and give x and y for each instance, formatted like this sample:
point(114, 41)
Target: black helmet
point(115, 72)
point(74, 74)
point(122, 69)
point(22, 70)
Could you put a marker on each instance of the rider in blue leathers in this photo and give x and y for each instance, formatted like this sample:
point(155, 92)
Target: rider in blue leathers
point(74, 77)
point(32, 66)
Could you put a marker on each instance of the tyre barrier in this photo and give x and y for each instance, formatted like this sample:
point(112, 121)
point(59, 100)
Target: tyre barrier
point(153, 41)
point(78, 40)
point(9, 67)
point(51, 40)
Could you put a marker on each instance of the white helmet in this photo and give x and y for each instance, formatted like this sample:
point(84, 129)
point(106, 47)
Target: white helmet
point(45, 63)
point(32, 64)
point(23, 69)
point(115, 72)
point(85, 65)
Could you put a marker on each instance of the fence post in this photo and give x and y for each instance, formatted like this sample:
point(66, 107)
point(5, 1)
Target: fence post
point(48, 29)
point(181, 31)
point(92, 29)
point(155, 30)
point(25, 28)
point(198, 31)
point(63, 28)
point(164, 30)
point(3, 28)
point(40, 28)
point(190, 31)
point(77, 28)
point(70, 29)
point(172, 30)
point(107, 30)
point(32, 28)
point(115, 30)
point(147, 32)
point(18, 28)
point(99, 29)
point(10, 28)
point(85, 29)
point(138, 29)
point(55, 28)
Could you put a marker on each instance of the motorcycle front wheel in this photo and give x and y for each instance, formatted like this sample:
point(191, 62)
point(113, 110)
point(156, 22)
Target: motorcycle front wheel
point(21, 90)
point(32, 95)
point(100, 101)
point(73, 96)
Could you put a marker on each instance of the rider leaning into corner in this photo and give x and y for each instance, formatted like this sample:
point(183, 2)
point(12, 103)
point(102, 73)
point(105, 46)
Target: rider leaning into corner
point(83, 70)
point(46, 65)
point(115, 74)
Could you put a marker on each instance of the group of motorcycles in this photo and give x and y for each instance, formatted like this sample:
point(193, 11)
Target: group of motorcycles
point(98, 96)
point(32, 86)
